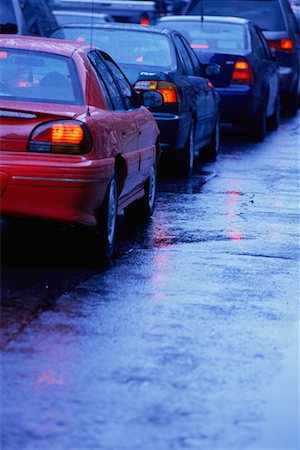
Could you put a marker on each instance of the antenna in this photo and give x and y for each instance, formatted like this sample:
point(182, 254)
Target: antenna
point(92, 22)
point(88, 113)
point(202, 10)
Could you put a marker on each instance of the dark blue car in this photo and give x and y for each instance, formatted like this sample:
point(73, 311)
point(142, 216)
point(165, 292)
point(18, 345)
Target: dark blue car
point(163, 60)
point(248, 83)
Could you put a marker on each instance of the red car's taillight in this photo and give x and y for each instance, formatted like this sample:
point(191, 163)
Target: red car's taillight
point(166, 88)
point(285, 45)
point(242, 73)
point(65, 136)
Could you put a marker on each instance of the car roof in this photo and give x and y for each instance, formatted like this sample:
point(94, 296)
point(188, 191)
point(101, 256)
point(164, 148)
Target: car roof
point(48, 45)
point(121, 26)
point(70, 12)
point(190, 18)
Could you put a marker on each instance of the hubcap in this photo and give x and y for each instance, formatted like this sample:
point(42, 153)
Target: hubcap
point(152, 186)
point(112, 211)
point(192, 147)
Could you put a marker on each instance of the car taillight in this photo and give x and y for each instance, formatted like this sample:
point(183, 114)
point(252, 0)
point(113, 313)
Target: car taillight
point(65, 136)
point(202, 46)
point(166, 88)
point(144, 21)
point(278, 45)
point(242, 73)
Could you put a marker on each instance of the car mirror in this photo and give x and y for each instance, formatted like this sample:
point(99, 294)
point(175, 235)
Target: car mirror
point(211, 70)
point(152, 99)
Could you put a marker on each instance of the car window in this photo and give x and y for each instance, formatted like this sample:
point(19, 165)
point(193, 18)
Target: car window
point(124, 46)
point(38, 17)
point(264, 49)
point(258, 46)
point(93, 57)
point(123, 83)
point(32, 76)
point(267, 14)
point(8, 20)
point(292, 18)
point(105, 77)
point(193, 56)
point(184, 56)
point(212, 36)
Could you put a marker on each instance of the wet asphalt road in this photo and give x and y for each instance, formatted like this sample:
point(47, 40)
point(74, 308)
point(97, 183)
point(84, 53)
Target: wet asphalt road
point(189, 339)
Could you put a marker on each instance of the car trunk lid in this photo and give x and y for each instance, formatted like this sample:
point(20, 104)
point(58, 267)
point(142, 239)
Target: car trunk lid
point(226, 61)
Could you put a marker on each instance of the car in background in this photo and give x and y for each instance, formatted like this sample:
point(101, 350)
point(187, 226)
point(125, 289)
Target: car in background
point(29, 17)
point(127, 11)
point(72, 16)
point(279, 26)
point(162, 60)
point(248, 82)
point(76, 143)
point(295, 5)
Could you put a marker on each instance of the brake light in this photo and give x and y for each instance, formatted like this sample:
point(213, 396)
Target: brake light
point(278, 45)
point(242, 73)
point(144, 21)
point(166, 88)
point(3, 55)
point(66, 136)
point(199, 46)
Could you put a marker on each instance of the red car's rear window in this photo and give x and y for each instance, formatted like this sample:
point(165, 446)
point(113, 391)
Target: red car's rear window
point(38, 77)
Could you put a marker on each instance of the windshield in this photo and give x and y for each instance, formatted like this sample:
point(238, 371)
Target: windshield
point(38, 77)
point(266, 14)
point(124, 46)
point(212, 36)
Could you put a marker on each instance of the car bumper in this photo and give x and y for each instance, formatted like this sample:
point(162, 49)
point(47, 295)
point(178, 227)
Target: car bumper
point(53, 186)
point(287, 79)
point(238, 103)
point(173, 130)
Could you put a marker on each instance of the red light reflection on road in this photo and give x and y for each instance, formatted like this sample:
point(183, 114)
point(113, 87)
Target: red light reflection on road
point(49, 377)
point(278, 204)
point(161, 264)
point(236, 235)
point(232, 211)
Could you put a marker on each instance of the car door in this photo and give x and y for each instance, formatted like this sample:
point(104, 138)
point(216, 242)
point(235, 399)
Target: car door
point(194, 92)
point(211, 109)
point(141, 159)
point(123, 121)
point(267, 68)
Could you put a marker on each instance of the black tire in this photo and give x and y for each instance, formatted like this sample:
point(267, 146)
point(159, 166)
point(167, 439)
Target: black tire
point(212, 149)
point(290, 103)
point(107, 219)
point(274, 119)
point(258, 128)
point(186, 156)
point(143, 208)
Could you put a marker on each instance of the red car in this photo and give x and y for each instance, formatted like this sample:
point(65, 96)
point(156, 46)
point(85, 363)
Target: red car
point(77, 142)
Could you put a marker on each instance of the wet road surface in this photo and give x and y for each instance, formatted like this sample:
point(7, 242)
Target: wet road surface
point(189, 339)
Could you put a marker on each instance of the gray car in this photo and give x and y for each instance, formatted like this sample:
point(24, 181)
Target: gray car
point(64, 16)
point(280, 27)
point(29, 17)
